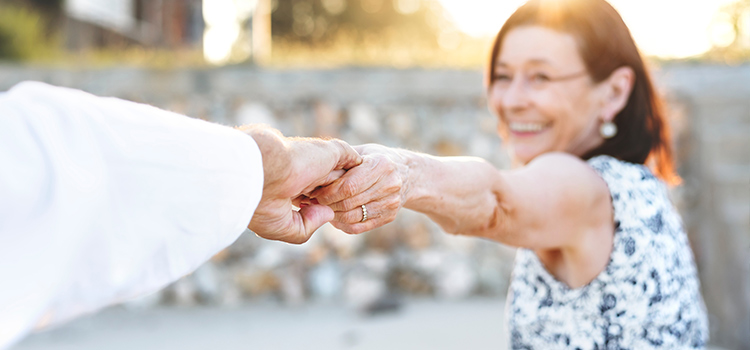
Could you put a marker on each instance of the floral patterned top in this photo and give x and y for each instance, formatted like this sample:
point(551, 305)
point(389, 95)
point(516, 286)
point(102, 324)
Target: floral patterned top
point(647, 297)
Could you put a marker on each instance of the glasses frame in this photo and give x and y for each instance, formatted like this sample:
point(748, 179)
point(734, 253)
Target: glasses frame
point(536, 84)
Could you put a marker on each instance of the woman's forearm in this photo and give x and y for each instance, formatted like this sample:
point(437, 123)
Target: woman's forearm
point(462, 194)
point(548, 203)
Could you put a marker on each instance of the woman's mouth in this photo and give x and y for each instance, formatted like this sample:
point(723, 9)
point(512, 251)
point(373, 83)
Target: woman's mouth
point(525, 129)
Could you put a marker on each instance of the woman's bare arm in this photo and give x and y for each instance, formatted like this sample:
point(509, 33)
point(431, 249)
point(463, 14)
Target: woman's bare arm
point(552, 202)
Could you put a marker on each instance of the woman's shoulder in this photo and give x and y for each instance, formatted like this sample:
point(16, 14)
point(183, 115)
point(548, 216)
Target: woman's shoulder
point(570, 173)
point(634, 190)
point(622, 175)
point(610, 166)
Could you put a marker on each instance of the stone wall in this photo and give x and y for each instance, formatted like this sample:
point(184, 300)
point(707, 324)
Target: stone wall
point(716, 195)
point(441, 112)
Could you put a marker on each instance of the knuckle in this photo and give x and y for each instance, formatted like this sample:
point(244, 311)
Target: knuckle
point(340, 217)
point(391, 208)
point(379, 162)
point(348, 189)
point(393, 203)
point(398, 182)
point(391, 167)
point(348, 204)
point(393, 187)
point(342, 147)
point(337, 207)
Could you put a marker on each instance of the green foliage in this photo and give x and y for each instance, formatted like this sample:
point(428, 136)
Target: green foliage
point(22, 35)
point(401, 33)
point(312, 22)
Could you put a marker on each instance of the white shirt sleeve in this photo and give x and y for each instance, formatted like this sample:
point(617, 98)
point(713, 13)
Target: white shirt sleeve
point(102, 200)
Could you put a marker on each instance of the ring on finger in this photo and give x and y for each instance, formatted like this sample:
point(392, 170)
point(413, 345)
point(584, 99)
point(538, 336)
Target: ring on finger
point(364, 213)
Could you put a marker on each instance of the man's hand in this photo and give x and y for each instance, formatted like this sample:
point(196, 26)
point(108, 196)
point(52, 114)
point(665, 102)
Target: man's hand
point(294, 167)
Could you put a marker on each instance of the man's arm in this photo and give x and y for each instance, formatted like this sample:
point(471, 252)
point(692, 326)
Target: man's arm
point(103, 200)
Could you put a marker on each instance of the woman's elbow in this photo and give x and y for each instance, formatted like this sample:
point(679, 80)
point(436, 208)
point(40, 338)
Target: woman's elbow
point(495, 224)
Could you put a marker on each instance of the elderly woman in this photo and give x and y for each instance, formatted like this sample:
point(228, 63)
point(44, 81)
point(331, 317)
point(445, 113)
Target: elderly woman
point(603, 261)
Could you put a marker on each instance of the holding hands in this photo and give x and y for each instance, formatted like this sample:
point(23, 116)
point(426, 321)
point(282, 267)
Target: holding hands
point(361, 188)
point(292, 168)
point(369, 195)
point(356, 189)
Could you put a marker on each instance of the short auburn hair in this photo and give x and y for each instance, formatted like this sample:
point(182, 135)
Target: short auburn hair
point(605, 44)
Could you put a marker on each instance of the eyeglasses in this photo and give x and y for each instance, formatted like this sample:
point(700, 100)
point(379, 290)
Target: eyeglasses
point(535, 81)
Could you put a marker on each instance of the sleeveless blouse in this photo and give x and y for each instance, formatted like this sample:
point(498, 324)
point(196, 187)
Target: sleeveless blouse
point(647, 297)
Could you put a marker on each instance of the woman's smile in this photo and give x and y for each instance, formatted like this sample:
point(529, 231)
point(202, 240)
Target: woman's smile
point(525, 129)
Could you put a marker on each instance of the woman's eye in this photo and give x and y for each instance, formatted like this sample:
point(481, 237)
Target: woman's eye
point(502, 77)
point(540, 78)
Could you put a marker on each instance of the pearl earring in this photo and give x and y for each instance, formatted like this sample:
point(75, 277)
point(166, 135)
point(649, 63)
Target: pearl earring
point(608, 130)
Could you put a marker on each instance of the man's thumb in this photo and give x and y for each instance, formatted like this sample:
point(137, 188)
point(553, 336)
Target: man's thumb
point(314, 216)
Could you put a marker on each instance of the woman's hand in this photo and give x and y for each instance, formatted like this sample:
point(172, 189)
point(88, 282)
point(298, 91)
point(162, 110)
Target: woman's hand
point(379, 183)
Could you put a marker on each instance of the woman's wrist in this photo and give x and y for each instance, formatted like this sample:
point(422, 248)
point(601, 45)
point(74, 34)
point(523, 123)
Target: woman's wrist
point(412, 176)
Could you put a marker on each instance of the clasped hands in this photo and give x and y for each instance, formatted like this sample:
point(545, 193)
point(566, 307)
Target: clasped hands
point(329, 181)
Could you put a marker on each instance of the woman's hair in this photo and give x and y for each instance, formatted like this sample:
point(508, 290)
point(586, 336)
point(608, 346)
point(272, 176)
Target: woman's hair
point(605, 44)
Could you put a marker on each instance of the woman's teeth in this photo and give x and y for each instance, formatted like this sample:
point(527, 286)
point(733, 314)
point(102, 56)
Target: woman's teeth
point(526, 127)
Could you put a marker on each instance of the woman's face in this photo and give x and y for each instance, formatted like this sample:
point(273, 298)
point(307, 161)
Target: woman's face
point(543, 96)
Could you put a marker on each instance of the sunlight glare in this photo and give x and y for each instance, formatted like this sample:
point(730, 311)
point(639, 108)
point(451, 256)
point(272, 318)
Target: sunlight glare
point(406, 7)
point(334, 7)
point(722, 32)
point(218, 43)
point(219, 12)
point(662, 28)
point(223, 27)
point(480, 17)
point(244, 8)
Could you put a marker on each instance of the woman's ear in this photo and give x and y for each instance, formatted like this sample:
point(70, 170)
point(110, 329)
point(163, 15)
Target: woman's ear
point(617, 92)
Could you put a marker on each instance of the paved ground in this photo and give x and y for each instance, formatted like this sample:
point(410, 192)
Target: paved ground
point(475, 324)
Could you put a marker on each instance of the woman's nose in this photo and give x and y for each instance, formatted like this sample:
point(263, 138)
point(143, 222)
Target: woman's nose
point(515, 96)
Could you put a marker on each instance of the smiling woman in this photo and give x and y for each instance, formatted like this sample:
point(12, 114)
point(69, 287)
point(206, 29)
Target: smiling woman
point(542, 92)
point(603, 262)
point(554, 44)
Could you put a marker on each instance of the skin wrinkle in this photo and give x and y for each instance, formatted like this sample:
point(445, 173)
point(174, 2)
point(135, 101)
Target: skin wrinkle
point(499, 226)
point(501, 214)
point(481, 226)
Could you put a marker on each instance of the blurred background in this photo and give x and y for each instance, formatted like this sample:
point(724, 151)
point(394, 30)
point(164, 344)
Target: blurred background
point(404, 73)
